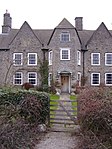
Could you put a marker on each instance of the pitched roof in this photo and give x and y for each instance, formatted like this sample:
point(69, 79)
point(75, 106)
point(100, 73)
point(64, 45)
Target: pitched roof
point(102, 27)
point(65, 24)
point(43, 34)
point(5, 39)
point(26, 24)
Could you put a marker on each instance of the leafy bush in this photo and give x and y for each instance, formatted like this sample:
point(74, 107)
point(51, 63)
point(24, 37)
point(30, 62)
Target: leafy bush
point(20, 113)
point(95, 113)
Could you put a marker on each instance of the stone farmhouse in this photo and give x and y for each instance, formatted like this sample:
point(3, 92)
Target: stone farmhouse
point(73, 54)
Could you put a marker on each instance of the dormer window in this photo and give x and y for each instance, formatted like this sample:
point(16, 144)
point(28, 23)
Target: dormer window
point(65, 37)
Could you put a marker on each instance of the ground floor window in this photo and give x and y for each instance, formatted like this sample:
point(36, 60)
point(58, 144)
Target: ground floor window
point(108, 79)
point(32, 78)
point(79, 78)
point(18, 78)
point(50, 79)
point(95, 79)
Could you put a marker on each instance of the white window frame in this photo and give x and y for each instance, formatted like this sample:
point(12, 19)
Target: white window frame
point(64, 38)
point(35, 59)
point(61, 51)
point(49, 79)
point(32, 78)
point(50, 57)
point(21, 78)
point(78, 58)
point(79, 78)
point(106, 59)
point(92, 59)
point(106, 79)
point(92, 79)
point(21, 59)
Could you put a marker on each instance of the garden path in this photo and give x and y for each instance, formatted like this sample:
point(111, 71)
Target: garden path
point(59, 140)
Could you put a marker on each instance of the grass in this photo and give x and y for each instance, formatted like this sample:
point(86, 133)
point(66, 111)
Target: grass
point(74, 104)
point(54, 104)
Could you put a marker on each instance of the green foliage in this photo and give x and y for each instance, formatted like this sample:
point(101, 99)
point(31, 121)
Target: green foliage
point(44, 75)
point(95, 113)
point(74, 103)
point(20, 113)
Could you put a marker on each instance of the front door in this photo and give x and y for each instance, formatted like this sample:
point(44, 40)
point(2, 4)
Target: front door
point(65, 84)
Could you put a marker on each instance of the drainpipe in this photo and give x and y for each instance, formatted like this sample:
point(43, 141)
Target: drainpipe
point(83, 67)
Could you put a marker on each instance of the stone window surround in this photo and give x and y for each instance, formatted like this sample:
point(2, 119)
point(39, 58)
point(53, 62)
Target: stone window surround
point(107, 79)
point(92, 59)
point(18, 60)
point(68, 53)
point(32, 78)
point(109, 59)
point(35, 59)
point(96, 80)
point(18, 78)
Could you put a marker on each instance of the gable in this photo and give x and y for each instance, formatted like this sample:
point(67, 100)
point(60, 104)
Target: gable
point(65, 24)
point(25, 37)
point(101, 35)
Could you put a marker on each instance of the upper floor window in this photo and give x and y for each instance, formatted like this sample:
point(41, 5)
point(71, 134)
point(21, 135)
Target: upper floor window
point(65, 54)
point(108, 78)
point(95, 59)
point(32, 58)
point(65, 36)
point(32, 78)
point(78, 57)
point(50, 57)
point(95, 79)
point(18, 58)
point(108, 59)
point(18, 78)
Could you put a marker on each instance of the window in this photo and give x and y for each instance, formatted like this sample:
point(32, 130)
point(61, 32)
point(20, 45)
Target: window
point(18, 58)
point(65, 36)
point(108, 78)
point(95, 59)
point(79, 78)
point(32, 58)
point(50, 79)
point(18, 78)
point(108, 59)
point(32, 78)
point(65, 54)
point(50, 57)
point(78, 57)
point(95, 78)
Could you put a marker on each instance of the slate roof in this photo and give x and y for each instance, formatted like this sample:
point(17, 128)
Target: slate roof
point(45, 34)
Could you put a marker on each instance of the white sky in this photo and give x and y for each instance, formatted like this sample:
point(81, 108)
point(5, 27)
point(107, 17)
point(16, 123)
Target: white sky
point(47, 14)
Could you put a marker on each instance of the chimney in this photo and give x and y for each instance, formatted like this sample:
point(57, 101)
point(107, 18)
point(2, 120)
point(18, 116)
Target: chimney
point(7, 23)
point(79, 23)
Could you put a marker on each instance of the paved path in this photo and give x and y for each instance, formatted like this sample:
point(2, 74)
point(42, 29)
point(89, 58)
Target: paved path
point(59, 140)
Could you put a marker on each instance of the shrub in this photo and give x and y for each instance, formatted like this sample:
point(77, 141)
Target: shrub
point(20, 113)
point(95, 112)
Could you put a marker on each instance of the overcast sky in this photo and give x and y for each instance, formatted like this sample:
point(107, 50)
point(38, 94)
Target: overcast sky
point(47, 14)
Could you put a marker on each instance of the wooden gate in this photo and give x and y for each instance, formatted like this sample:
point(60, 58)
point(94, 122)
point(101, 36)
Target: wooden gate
point(63, 114)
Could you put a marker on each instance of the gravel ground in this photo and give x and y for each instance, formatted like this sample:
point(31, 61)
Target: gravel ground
point(58, 140)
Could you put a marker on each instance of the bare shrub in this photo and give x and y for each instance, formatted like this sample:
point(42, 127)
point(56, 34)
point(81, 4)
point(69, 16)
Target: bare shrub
point(95, 113)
